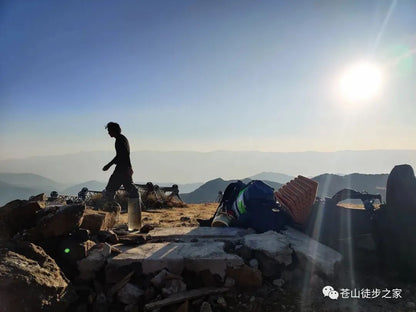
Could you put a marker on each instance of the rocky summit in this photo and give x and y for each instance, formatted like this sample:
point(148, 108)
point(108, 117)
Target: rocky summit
point(74, 257)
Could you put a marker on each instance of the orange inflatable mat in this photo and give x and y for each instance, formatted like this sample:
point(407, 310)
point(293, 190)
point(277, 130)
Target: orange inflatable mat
point(297, 197)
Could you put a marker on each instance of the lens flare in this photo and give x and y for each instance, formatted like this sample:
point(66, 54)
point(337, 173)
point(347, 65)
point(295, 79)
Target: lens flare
point(360, 82)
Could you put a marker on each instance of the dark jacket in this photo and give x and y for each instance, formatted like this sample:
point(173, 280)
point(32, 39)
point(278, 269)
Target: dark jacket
point(122, 159)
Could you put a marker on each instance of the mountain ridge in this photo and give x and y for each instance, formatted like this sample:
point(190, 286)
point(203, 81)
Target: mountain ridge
point(328, 185)
point(200, 192)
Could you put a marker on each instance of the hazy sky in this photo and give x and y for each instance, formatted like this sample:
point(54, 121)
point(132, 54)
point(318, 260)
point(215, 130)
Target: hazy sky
point(203, 75)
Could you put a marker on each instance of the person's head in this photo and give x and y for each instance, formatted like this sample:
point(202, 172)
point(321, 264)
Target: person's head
point(113, 129)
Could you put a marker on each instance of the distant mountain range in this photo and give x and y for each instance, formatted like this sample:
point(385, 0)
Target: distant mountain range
point(22, 186)
point(29, 180)
point(329, 184)
point(272, 176)
point(10, 192)
point(208, 192)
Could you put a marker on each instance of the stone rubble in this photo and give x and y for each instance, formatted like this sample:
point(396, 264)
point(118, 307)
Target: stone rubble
point(114, 269)
point(155, 269)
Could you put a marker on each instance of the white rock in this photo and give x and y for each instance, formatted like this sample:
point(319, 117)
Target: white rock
point(94, 262)
point(272, 244)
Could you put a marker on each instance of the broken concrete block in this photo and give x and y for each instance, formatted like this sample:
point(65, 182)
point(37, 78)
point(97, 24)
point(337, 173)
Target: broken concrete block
point(96, 221)
point(311, 253)
point(129, 294)
point(272, 244)
point(206, 233)
point(94, 262)
point(196, 257)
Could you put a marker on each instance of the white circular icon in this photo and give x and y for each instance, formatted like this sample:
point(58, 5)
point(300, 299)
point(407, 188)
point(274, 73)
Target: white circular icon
point(333, 294)
point(326, 290)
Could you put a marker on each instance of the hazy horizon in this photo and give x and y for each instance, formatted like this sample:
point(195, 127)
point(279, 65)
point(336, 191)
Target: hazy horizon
point(198, 151)
point(272, 76)
point(192, 167)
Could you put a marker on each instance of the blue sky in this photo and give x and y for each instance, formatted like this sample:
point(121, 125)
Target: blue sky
point(202, 75)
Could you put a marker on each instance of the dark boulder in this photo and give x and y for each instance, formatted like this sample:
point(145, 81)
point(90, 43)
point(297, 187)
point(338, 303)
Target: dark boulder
point(30, 280)
point(56, 222)
point(16, 216)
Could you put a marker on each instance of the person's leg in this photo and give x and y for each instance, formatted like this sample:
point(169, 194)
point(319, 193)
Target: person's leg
point(113, 185)
point(129, 186)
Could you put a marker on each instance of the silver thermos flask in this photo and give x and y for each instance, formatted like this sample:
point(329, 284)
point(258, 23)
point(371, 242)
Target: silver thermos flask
point(134, 210)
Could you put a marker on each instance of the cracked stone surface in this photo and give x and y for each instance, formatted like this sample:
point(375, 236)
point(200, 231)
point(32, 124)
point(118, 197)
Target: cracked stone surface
point(318, 256)
point(202, 233)
point(272, 244)
point(175, 257)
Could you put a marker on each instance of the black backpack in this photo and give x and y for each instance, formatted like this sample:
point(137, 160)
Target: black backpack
point(253, 205)
point(258, 208)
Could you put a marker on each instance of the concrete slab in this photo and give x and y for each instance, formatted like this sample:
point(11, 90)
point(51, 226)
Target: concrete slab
point(272, 244)
point(319, 256)
point(203, 233)
point(175, 257)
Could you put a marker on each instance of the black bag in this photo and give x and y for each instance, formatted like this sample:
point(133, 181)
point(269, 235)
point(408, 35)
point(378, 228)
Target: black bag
point(230, 195)
point(256, 207)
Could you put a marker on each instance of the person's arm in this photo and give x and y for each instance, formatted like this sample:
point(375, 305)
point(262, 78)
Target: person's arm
point(106, 167)
point(115, 160)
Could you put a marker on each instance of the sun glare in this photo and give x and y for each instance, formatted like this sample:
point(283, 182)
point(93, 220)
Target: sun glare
point(360, 83)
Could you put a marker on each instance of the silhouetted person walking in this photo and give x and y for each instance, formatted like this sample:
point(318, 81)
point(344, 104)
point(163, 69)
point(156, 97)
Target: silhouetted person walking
point(123, 172)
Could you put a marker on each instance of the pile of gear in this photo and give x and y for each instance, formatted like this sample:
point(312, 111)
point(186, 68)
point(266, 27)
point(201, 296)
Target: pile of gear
point(389, 226)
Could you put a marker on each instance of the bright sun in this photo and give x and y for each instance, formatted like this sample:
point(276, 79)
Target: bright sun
point(360, 83)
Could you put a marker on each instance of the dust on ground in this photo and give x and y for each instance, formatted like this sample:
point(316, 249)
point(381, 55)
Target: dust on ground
point(176, 216)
